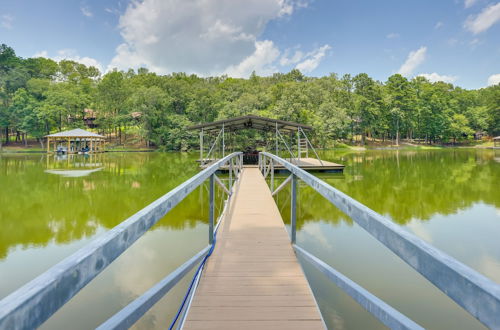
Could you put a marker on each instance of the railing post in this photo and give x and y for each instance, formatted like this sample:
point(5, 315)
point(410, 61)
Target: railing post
point(211, 209)
point(272, 175)
point(293, 213)
point(231, 175)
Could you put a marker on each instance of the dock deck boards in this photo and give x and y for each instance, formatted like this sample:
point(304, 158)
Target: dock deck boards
point(253, 279)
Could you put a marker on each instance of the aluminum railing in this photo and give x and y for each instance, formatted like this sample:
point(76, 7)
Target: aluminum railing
point(32, 304)
point(477, 294)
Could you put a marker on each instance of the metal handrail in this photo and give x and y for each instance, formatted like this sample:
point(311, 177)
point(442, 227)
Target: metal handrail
point(32, 304)
point(477, 294)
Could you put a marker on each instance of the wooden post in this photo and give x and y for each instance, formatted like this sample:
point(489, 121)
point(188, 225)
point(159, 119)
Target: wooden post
point(91, 145)
point(48, 145)
point(69, 146)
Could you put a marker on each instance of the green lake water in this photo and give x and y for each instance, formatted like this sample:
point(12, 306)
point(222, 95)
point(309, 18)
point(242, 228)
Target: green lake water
point(50, 207)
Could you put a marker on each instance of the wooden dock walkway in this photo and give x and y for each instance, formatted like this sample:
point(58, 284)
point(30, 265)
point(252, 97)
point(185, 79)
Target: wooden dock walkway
point(253, 279)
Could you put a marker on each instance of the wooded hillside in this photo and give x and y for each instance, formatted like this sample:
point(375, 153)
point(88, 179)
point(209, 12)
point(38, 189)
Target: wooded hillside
point(39, 96)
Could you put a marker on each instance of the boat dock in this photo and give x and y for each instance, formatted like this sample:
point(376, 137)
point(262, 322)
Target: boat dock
point(253, 279)
point(307, 164)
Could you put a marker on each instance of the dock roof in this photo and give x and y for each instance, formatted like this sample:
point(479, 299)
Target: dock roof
point(251, 121)
point(77, 132)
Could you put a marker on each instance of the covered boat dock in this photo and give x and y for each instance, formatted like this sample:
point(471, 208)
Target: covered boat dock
point(75, 141)
point(284, 138)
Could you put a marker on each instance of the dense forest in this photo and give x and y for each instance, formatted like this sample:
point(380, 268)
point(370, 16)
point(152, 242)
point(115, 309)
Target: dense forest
point(40, 96)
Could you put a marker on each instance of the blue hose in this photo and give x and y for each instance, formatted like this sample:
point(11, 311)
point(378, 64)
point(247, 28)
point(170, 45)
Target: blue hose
point(192, 283)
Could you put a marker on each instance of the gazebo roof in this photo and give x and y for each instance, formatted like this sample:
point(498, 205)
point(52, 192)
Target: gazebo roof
point(496, 138)
point(251, 121)
point(77, 132)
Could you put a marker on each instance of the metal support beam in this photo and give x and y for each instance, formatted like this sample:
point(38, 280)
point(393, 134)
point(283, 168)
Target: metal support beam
point(276, 140)
point(272, 174)
point(286, 145)
point(201, 146)
point(211, 189)
point(223, 142)
point(126, 317)
point(282, 185)
point(382, 311)
point(293, 213)
point(221, 184)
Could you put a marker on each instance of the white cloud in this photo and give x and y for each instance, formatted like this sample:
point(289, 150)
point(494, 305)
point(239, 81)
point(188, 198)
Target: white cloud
point(261, 61)
point(494, 79)
point(434, 77)
point(313, 59)
point(72, 55)
point(469, 3)
point(392, 35)
point(207, 37)
point(286, 59)
point(6, 21)
point(86, 11)
point(484, 20)
point(439, 25)
point(415, 58)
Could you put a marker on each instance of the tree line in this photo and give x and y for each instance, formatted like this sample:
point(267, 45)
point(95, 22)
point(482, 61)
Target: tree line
point(40, 96)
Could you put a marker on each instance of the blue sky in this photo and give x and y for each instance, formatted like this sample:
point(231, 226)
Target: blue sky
point(451, 40)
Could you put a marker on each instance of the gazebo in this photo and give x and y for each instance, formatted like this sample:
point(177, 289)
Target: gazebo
point(74, 141)
point(496, 141)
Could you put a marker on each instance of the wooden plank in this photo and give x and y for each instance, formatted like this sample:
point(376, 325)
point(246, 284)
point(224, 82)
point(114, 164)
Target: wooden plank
point(253, 279)
point(252, 325)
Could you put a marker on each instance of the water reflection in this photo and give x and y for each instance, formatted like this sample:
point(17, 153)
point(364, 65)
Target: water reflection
point(449, 198)
point(46, 217)
point(39, 207)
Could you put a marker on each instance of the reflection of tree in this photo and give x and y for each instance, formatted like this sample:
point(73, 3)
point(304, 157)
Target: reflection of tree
point(38, 207)
point(405, 185)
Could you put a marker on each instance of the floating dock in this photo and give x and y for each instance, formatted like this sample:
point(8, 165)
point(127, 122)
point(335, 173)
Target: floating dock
point(253, 279)
point(307, 164)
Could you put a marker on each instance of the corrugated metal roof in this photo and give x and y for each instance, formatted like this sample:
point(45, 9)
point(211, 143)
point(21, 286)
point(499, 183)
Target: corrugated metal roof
point(251, 121)
point(77, 132)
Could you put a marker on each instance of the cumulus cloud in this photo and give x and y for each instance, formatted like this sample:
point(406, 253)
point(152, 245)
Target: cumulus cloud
point(207, 37)
point(86, 11)
point(494, 79)
point(288, 59)
point(260, 61)
point(313, 59)
point(434, 77)
point(6, 21)
point(415, 58)
point(392, 35)
point(72, 55)
point(484, 20)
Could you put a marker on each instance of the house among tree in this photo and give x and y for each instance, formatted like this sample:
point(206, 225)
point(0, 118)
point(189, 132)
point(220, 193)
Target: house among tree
point(89, 118)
